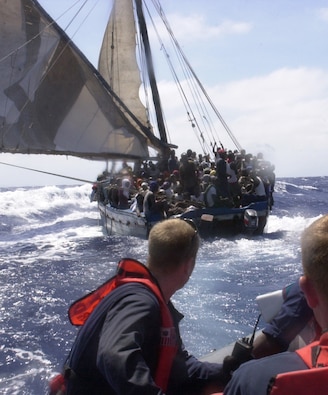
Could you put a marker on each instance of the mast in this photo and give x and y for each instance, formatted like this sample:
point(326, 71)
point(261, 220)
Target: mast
point(150, 67)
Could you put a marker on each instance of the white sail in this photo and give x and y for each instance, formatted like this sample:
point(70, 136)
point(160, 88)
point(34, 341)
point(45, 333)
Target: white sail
point(118, 62)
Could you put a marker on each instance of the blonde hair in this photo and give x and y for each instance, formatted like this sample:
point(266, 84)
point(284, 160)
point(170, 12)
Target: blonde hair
point(314, 243)
point(170, 243)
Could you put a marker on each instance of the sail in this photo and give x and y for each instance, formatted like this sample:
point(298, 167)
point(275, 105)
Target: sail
point(117, 60)
point(52, 100)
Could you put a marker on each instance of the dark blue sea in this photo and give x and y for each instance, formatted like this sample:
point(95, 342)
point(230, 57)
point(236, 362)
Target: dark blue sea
point(52, 251)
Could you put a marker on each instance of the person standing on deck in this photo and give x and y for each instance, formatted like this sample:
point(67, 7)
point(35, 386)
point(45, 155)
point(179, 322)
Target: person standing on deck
point(124, 195)
point(188, 176)
point(233, 186)
point(173, 162)
point(154, 209)
point(222, 174)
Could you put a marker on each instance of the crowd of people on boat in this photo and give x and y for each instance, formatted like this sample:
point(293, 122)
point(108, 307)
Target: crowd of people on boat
point(159, 189)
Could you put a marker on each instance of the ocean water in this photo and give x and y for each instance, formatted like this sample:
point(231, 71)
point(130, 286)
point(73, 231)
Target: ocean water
point(52, 251)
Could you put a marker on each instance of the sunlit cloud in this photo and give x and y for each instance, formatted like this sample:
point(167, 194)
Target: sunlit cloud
point(282, 114)
point(191, 27)
point(323, 14)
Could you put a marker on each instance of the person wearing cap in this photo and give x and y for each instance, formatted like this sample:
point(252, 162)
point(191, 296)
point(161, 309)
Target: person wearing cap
point(131, 343)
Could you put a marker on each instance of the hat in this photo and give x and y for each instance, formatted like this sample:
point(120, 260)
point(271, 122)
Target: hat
point(144, 185)
point(166, 185)
point(153, 186)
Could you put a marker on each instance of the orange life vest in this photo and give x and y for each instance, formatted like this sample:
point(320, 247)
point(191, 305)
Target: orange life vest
point(312, 381)
point(130, 270)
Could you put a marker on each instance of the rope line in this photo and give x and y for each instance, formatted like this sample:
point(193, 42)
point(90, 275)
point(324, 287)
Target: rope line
point(46, 172)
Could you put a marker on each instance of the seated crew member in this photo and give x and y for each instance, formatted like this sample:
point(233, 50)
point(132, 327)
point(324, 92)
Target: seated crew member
point(282, 331)
point(293, 316)
point(256, 377)
point(130, 343)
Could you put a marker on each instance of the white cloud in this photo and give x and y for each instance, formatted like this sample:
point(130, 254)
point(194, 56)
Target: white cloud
point(285, 111)
point(323, 14)
point(196, 27)
point(283, 114)
point(285, 86)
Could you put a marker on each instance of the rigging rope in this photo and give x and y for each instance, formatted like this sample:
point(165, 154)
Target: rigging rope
point(38, 34)
point(193, 79)
point(181, 90)
point(46, 172)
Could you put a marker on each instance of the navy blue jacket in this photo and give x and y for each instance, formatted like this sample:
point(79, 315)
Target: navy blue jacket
point(292, 318)
point(253, 377)
point(116, 350)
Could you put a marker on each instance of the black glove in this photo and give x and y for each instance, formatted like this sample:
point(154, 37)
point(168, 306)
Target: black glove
point(241, 353)
point(230, 364)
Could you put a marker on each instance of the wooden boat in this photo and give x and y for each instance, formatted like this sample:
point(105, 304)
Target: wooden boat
point(54, 102)
point(211, 222)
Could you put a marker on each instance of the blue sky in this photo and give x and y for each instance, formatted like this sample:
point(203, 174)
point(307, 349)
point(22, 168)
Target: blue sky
point(264, 64)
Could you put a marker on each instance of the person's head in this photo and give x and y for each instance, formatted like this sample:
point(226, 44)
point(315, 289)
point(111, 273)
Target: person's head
point(171, 244)
point(222, 153)
point(314, 244)
point(166, 185)
point(126, 183)
point(153, 186)
point(144, 185)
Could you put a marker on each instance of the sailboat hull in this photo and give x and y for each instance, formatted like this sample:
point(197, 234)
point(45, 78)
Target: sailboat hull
point(211, 222)
point(122, 222)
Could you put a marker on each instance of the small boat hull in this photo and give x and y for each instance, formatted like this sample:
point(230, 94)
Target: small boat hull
point(211, 222)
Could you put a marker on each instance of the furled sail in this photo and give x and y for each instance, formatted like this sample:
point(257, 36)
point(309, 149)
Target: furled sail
point(52, 100)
